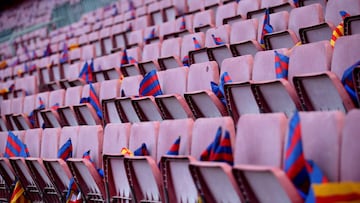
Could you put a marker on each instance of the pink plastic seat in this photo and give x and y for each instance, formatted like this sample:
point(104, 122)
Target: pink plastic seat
point(170, 54)
point(203, 21)
point(50, 115)
point(225, 11)
point(151, 52)
point(187, 45)
point(66, 113)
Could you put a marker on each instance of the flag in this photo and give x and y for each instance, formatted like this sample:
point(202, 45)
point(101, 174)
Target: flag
point(64, 54)
point(127, 152)
point(210, 150)
point(94, 101)
point(296, 3)
point(31, 116)
point(185, 61)
point(183, 23)
point(150, 86)
point(348, 81)
point(86, 72)
point(32, 68)
point(223, 153)
point(339, 30)
point(335, 192)
point(281, 65)
point(217, 40)
point(196, 43)
point(55, 106)
point(151, 35)
point(267, 28)
point(295, 164)
point(65, 150)
point(131, 5)
point(47, 51)
point(174, 149)
point(142, 151)
point(18, 194)
point(34, 55)
point(73, 191)
point(129, 28)
point(132, 60)
point(13, 145)
point(24, 152)
point(87, 156)
point(124, 59)
point(219, 89)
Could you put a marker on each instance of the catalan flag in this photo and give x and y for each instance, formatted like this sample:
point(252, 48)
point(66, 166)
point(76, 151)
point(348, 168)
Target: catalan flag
point(339, 30)
point(335, 192)
point(208, 153)
point(65, 150)
point(73, 191)
point(126, 152)
point(174, 149)
point(295, 164)
point(217, 40)
point(183, 23)
point(223, 153)
point(86, 72)
point(267, 28)
point(142, 151)
point(150, 85)
point(196, 43)
point(281, 65)
point(348, 81)
point(18, 194)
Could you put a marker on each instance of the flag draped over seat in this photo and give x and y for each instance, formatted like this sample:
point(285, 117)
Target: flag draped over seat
point(124, 59)
point(94, 101)
point(183, 23)
point(150, 85)
point(197, 45)
point(296, 3)
point(223, 153)
point(47, 51)
point(219, 89)
point(339, 30)
point(64, 54)
point(142, 151)
point(208, 153)
point(217, 40)
point(266, 28)
point(31, 116)
point(86, 72)
point(281, 65)
point(348, 82)
point(65, 150)
point(174, 149)
point(151, 35)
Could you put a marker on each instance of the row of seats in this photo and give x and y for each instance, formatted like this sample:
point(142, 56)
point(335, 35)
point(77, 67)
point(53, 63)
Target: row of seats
point(252, 90)
point(332, 147)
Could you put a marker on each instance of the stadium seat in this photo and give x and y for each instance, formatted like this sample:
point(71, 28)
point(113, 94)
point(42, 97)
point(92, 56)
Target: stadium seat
point(151, 52)
point(188, 45)
point(66, 113)
point(225, 11)
point(50, 116)
point(170, 54)
point(203, 20)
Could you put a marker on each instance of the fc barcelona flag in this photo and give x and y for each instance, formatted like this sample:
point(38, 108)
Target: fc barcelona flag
point(217, 40)
point(13, 145)
point(65, 150)
point(196, 43)
point(86, 72)
point(174, 149)
point(223, 153)
point(348, 81)
point(142, 151)
point(94, 101)
point(281, 65)
point(150, 85)
point(267, 28)
point(210, 150)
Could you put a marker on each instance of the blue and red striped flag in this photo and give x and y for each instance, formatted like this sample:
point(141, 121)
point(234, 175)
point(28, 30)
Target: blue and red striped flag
point(281, 65)
point(296, 3)
point(94, 101)
point(142, 151)
point(210, 150)
point(31, 116)
point(34, 55)
point(55, 106)
point(316, 177)
point(65, 150)
point(196, 43)
point(151, 35)
point(86, 72)
point(129, 28)
point(87, 156)
point(150, 85)
point(174, 149)
point(185, 61)
point(217, 40)
point(183, 23)
point(219, 89)
point(348, 81)
point(47, 51)
point(223, 153)
point(13, 145)
point(24, 152)
point(32, 67)
point(65, 54)
point(267, 28)
point(339, 30)
point(295, 164)
point(124, 59)
point(132, 60)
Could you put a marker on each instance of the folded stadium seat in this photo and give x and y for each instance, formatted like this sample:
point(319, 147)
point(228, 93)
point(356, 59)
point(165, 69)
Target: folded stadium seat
point(238, 94)
point(170, 54)
point(278, 21)
point(119, 37)
point(156, 13)
point(202, 136)
point(32, 139)
point(348, 147)
point(98, 72)
point(301, 17)
point(57, 169)
point(112, 66)
point(144, 187)
point(87, 52)
point(43, 65)
point(224, 11)
point(86, 113)
point(278, 5)
point(141, 11)
point(94, 39)
point(133, 57)
point(19, 71)
point(8, 73)
point(66, 113)
point(54, 48)
point(71, 75)
point(167, 28)
point(243, 38)
point(327, 139)
point(75, 55)
point(308, 81)
point(333, 8)
point(55, 71)
point(172, 9)
point(86, 175)
point(97, 26)
point(82, 29)
point(195, 6)
point(50, 116)
point(188, 44)
point(83, 40)
point(26, 86)
point(108, 22)
point(203, 20)
point(118, 19)
point(5, 115)
point(199, 96)
point(116, 136)
point(7, 172)
point(106, 41)
point(135, 39)
point(151, 52)
point(216, 41)
point(109, 90)
point(141, 22)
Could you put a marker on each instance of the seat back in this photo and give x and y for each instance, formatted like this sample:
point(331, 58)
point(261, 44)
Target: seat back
point(225, 11)
point(187, 43)
point(116, 136)
point(130, 85)
point(244, 31)
point(264, 65)
point(333, 8)
point(73, 95)
point(279, 22)
point(201, 74)
point(180, 75)
point(223, 32)
point(50, 143)
point(239, 68)
point(32, 139)
point(91, 138)
point(267, 131)
point(109, 89)
point(71, 132)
